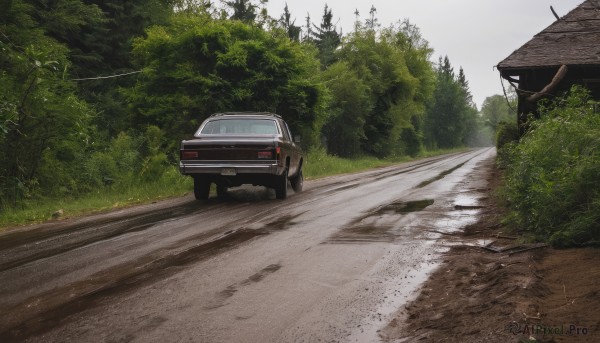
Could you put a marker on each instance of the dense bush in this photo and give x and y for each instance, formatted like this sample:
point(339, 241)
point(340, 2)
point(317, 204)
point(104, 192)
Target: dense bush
point(507, 132)
point(552, 175)
point(507, 135)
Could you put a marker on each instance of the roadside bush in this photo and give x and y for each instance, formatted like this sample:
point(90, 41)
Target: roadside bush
point(412, 141)
point(100, 169)
point(507, 137)
point(552, 175)
point(507, 132)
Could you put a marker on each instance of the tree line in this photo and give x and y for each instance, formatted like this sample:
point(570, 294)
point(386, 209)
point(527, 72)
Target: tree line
point(100, 92)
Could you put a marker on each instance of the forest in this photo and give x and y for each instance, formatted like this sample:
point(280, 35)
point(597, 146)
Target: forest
point(99, 93)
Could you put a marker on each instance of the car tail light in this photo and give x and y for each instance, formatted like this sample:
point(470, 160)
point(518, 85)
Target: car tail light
point(265, 155)
point(189, 155)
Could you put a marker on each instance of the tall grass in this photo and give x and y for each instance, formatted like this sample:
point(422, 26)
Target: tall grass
point(552, 174)
point(169, 184)
point(320, 164)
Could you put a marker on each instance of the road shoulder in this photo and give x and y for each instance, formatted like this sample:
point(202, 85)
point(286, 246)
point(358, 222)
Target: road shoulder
point(498, 295)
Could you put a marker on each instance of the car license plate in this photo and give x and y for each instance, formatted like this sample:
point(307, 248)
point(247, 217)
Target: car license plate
point(228, 172)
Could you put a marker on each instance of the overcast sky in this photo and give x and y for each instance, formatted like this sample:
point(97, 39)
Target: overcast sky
point(475, 34)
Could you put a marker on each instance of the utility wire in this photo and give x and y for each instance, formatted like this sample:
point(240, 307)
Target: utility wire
point(107, 77)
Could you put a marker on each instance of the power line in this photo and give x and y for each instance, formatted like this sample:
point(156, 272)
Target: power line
point(107, 77)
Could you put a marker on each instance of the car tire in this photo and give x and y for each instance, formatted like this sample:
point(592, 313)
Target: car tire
point(201, 188)
point(298, 182)
point(281, 186)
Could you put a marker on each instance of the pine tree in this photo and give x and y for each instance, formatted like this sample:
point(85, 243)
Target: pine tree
point(243, 10)
point(289, 26)
point(326, 37)
point(462, 80)
point(445, 118)
point(308, 28)
point(372, 22)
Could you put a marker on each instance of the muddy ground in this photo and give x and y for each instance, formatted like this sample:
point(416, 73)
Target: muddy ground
point(479, 295)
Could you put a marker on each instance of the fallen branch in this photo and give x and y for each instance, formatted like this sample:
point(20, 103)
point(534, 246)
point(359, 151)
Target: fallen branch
point(492, 249)
point(465, 207)
point(517, 248)
point(490, 244)
point(442, 233)
point(505, 237)
point(560, 74)
point(554, 12)
point(527, 249)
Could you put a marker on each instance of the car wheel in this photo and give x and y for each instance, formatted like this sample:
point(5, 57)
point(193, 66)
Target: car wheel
point(298, 182)
point(201, 188)
point(281, 187)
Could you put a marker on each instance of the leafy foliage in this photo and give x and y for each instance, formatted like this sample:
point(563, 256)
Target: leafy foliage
point(40, 111)
point(396, 92)
point(350, 102)
point(198, 66)
point(495, 110)
point(552, 173)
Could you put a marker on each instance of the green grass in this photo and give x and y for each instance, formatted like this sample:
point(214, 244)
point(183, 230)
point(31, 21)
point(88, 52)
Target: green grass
point(319, 164)
point(118, 196)
point(552, 174)
point(173, 185)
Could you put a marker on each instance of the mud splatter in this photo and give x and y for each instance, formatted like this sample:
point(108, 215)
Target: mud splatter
point(221, 297)
point(100, 230)
point(29, 318)
point(440, 175)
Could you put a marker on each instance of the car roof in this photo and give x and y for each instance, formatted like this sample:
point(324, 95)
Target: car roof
point(245, 115)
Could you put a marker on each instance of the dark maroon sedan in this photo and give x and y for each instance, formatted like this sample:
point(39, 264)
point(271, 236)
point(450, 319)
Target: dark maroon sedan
point(236, 148)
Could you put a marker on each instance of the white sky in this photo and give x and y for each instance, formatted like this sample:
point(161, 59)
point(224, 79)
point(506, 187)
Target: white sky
point(475, 34)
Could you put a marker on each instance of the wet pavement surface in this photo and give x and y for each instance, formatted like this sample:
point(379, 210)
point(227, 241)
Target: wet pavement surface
point(329, 264)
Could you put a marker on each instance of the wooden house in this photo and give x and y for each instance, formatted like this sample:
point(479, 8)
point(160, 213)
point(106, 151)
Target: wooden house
point(566, 53)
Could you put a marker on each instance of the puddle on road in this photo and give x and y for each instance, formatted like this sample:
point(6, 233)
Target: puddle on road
point(454, 221)
point(364, 234)
point(367, 229)
point(467, 201)
point(404, 207)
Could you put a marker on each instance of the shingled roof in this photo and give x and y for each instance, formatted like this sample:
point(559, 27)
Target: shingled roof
point(572, 40)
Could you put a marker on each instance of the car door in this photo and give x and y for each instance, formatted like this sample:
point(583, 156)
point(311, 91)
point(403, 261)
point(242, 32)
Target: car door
point(294, 150)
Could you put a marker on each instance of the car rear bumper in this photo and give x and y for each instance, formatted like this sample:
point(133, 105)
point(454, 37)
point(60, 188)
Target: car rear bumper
point(221, 167)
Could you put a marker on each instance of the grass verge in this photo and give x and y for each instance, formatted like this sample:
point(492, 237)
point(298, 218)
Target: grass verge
point(173, 185)
point(106, 199)
point(319, 164)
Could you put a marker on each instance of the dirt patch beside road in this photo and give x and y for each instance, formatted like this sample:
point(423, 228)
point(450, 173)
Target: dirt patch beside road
point(479, 295)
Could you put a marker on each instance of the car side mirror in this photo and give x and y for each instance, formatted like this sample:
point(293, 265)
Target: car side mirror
point(297, 139)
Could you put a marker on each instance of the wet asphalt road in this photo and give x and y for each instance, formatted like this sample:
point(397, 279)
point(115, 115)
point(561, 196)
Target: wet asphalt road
point(333, 263)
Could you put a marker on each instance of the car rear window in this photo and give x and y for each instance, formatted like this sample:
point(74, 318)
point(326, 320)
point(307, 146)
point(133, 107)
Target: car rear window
point(240, 127)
